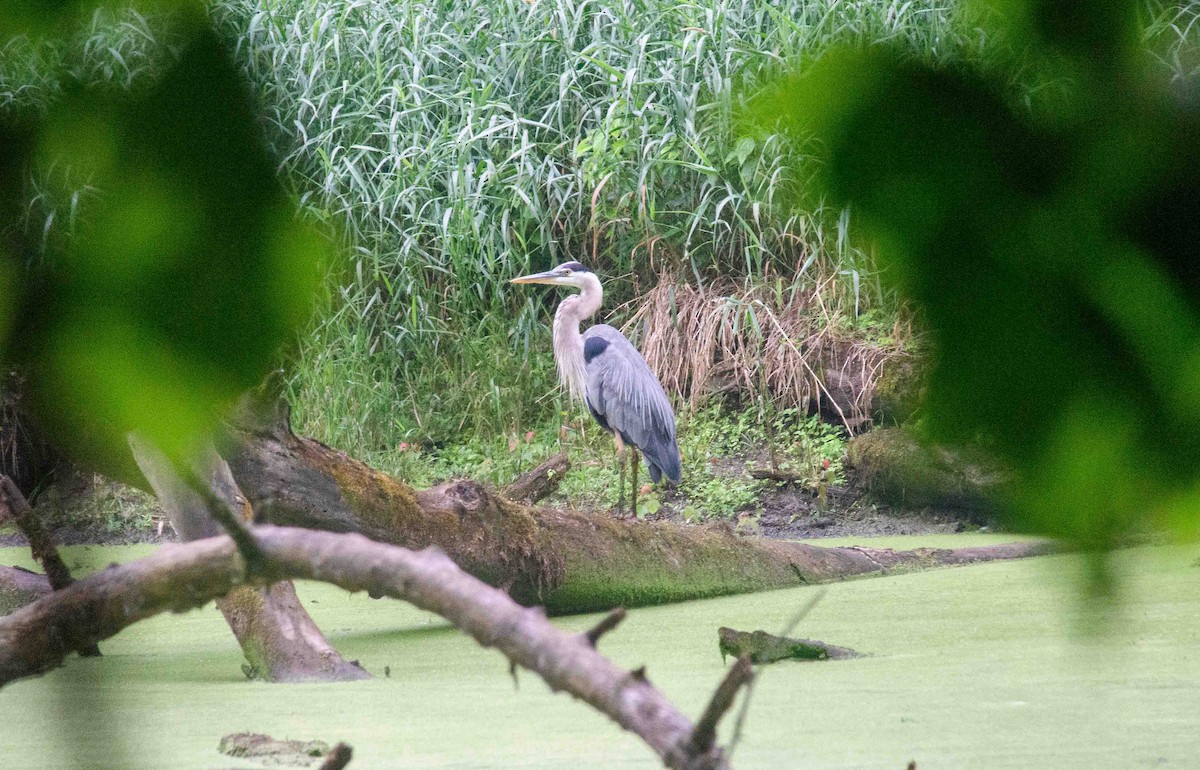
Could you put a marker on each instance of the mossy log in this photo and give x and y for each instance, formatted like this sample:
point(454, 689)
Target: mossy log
point(567, 561)
point(762, 647)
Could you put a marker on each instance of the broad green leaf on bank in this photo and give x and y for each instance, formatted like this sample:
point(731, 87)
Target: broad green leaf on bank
point(189, 272)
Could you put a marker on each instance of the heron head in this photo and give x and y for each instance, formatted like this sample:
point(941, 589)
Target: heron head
point(566, 274)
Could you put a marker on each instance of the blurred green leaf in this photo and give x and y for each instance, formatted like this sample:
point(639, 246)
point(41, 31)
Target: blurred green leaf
point(189, 272)
point(1054, 258)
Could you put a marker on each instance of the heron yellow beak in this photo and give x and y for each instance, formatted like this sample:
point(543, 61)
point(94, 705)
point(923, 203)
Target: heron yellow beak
point(546, 277)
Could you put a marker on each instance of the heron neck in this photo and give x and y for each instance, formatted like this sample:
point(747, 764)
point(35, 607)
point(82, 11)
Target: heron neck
point(568, 340)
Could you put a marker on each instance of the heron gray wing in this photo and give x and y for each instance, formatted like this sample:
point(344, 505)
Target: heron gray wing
point(626, 397)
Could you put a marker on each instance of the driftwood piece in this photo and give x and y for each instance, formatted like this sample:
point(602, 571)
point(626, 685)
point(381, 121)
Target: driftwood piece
point(183, 576)
point(540, 482)
point(277, 635)
point(762, 647)
point(273, 751)
point(19, 587)
point(567, 561)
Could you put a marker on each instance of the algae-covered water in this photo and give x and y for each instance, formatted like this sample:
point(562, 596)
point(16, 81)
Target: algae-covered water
point(990, 666)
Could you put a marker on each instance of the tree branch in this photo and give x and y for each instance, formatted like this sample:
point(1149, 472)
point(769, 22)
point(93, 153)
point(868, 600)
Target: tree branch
point(540, 482)
point(705, 734)
point(184, 576)
point(41, 544)
point(278, 637)
point(177, 486)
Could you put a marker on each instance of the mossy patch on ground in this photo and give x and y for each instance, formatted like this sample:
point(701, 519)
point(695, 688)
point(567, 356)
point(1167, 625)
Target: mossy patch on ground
point(1002, 665)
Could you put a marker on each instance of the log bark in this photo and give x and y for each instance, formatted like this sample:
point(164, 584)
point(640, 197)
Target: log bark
point(278, 637)
point(567, 561)
point(187, 575)
point(540, 482)
point(19, 587)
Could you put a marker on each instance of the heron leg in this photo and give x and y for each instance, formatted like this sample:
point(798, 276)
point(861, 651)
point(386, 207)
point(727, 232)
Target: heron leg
point(620, 473)
point(633, 486)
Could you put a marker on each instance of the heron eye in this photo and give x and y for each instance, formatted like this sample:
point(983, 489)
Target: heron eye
point(566, 271)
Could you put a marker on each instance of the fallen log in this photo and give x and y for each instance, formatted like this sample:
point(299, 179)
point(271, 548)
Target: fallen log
point(183, 576)
point(566, 561)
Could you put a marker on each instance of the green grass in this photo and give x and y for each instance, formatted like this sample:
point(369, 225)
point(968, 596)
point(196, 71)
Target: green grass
point(461, 144)
point(453, 145)
point(987, 666)
point(717, 444)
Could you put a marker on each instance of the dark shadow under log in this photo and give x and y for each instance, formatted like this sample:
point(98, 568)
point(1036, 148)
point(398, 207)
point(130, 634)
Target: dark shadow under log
point(567, 561)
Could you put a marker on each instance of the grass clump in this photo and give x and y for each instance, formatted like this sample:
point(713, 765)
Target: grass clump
point(462, 144)
point(455, 145)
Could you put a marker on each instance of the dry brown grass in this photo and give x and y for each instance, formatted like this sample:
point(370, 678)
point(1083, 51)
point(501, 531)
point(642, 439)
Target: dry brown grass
point(794, 345)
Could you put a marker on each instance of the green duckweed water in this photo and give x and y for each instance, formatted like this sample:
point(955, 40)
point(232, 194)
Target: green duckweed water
point(991, 666)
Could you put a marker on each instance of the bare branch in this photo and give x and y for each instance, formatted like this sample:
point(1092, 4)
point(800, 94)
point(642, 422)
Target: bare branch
point(183, 576)
point(606, 624)
point(705, 735)
point(41, 544)
point(337, 758)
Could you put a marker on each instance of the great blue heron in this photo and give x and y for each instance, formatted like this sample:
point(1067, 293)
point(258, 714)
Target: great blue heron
point(605, 371)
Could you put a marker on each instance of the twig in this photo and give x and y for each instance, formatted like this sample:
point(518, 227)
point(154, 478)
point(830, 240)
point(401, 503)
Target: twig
point(606, 624)
point(337, 758)
point(705, 734)
point(802, 613)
